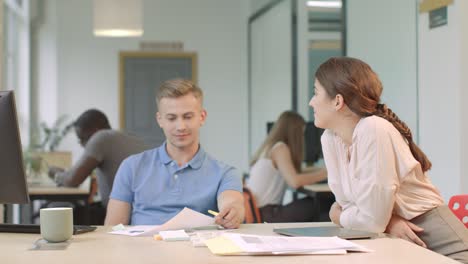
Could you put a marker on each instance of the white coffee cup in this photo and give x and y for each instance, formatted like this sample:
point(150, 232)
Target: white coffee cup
point(56, 224)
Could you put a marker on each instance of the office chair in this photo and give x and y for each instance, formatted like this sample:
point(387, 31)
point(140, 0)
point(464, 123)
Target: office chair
point(459, 206)
point(252, 213)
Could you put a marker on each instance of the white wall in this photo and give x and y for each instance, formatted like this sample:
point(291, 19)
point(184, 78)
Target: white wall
point(44, 61)
point(423, 72)
point(383, 34)
point(462, 7)
point(442, 84)
point(87, 67)
point(271, 70)
point(303, 38)
point(256, 5)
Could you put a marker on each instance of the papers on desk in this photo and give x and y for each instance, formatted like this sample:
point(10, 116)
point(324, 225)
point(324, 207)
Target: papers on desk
point(174, 235)
point(198, 238)
point(185, 219)
point(242, 244)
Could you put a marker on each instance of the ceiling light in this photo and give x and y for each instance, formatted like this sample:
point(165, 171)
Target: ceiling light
point(326, 4)
point(118, 18)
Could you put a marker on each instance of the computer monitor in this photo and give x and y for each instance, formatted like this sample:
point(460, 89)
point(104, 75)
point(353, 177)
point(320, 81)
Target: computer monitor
point(13, 186)
point(313, 145)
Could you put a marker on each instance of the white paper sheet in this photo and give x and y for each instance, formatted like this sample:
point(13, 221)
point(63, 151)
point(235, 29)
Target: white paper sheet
point(174, 235)
point(243, 244)
point(185, 219)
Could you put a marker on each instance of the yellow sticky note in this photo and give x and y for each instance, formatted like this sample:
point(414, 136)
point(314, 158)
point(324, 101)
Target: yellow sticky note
point(222, 246)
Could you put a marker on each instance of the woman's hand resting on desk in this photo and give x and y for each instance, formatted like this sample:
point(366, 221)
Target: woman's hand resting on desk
point(404, 229)
point(335, 213)
point(398, 226)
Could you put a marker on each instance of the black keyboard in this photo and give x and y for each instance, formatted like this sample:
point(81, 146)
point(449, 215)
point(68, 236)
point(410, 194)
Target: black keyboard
point(36, 229)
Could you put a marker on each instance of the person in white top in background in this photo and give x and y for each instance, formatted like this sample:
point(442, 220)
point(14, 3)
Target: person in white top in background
point(375, 170)
point(277, 165)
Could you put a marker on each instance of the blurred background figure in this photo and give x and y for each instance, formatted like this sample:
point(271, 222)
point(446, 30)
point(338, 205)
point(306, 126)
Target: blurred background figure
point(104, 150)
point(277, 165)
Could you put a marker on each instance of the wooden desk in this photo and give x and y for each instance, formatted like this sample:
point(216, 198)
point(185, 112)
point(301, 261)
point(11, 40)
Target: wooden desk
point(100, 247)
point(323, 198)
point(314, 189)
point(57, 193)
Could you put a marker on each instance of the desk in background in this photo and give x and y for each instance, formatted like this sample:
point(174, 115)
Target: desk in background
point(322, 195)
point(49, 193)
point(61, 194)
point(58, 193)
point(315, 189)
point(100, 247)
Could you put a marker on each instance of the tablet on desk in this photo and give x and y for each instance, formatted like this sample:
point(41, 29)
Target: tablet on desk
point(325, 231)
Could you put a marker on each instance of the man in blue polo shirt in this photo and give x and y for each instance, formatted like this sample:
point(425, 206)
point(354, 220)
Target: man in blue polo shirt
point(153, 186)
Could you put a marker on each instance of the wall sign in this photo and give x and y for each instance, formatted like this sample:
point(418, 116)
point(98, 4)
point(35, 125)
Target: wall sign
point(438, 17)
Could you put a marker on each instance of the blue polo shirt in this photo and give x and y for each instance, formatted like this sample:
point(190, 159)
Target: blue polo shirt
point(157, 188)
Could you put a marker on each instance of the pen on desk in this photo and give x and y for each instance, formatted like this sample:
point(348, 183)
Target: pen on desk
point(213, 212)
point(136, 231)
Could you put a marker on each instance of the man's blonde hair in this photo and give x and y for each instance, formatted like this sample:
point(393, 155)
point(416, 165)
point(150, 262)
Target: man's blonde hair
point(176, 88)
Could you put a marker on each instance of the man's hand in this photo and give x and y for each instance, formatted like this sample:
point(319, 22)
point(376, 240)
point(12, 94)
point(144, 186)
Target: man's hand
point(335, 213)
point(404, 229)
point(229, 217)
point(231, 206)
point(74, 176)
point(53, 170)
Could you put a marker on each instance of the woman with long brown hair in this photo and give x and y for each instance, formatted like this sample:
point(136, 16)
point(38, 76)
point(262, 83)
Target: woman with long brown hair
point(277, 165)
point(375, 170)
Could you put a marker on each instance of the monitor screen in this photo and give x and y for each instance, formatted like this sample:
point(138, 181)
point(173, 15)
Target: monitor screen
point(313, 145)
point(13, 186)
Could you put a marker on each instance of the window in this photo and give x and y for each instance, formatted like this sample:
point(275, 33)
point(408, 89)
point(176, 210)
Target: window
point(16, 60)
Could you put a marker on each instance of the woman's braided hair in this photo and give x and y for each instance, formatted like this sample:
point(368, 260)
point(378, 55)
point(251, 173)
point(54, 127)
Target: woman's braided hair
point(386, 113)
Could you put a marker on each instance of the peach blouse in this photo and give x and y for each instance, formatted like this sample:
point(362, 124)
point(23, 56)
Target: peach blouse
point(375, 176)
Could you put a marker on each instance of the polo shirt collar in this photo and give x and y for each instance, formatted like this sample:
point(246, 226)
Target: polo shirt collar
point(196, 162)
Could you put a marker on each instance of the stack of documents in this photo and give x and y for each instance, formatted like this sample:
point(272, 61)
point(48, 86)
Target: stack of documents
point(242, 244)
point(198, 238)
point(186, 219)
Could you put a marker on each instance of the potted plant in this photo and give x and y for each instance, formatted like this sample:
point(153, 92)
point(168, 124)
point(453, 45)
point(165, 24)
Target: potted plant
point(42, 152)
